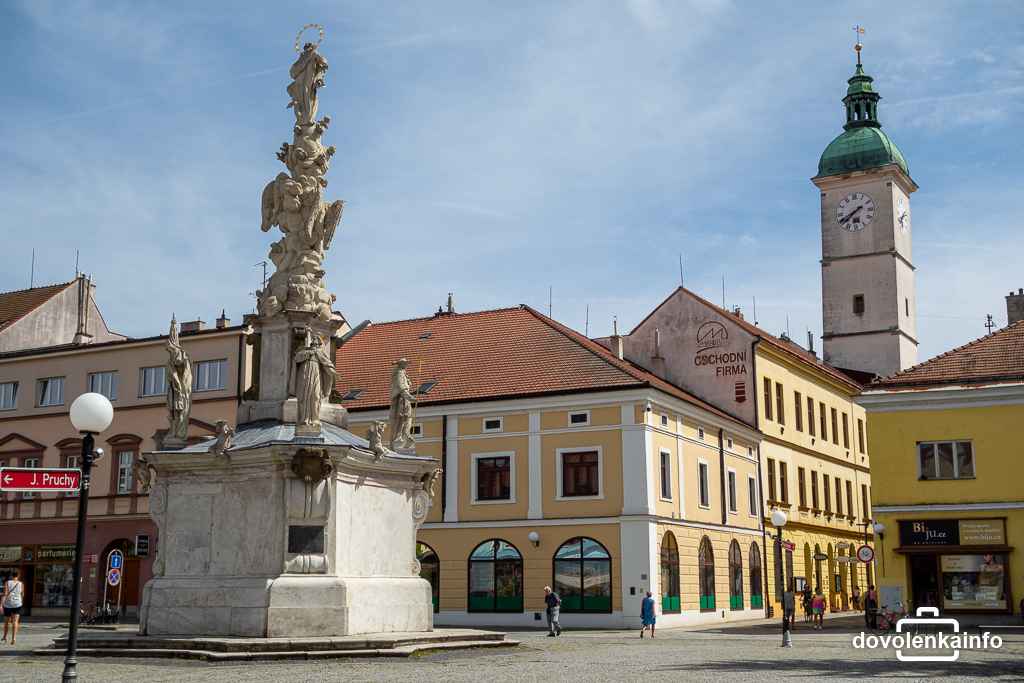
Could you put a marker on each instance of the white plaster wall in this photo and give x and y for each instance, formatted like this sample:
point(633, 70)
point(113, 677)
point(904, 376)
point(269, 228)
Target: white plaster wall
point(374, 531)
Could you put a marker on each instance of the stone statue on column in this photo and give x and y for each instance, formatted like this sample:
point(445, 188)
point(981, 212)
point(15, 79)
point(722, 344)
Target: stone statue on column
point(314, 374)
point(178, 374)
point(402, 401)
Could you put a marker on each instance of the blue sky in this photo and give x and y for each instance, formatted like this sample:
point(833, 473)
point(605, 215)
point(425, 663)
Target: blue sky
point(497, 149)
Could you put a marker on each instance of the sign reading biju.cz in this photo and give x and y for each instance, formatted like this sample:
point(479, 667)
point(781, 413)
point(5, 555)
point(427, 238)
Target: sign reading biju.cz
point(940, 532)
point(27, 479)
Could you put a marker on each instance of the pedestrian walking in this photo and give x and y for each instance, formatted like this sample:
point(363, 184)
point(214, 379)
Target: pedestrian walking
point(647, 618)
point(856, 597)
point(554, 604)
point(871, 608)
point(818, 605)
point(807, 598)
point(13, 592)
point(789, 605)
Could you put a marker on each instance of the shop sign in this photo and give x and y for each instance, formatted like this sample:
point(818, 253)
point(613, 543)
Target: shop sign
point(940, 532)
point(10, 553)
point(55, 552)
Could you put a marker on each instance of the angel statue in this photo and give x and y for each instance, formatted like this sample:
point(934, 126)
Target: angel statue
point(179, 386)
point(402, 401)
point(314, 374)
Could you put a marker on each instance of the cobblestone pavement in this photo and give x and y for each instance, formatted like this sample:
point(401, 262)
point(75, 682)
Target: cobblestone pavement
point(740, 653)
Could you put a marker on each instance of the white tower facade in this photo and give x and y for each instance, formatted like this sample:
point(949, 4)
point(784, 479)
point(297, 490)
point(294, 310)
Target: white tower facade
point(869, 306)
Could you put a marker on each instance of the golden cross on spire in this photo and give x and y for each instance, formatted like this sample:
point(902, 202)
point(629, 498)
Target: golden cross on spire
point(859, 30)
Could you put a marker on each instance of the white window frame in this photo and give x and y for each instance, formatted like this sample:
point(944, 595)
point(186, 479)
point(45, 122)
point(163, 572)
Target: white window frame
point(39, 392)
point(29, 462)
point(160, 372)
point(732, 490)
point(662, 454)
point(728, 443)
point(700, 433)
point(664, 420)
point(511, 455)
point(98, 377)
point(196, 372)
point(492, 430)
point(130, 479)
point(14, 395)
point(570, 423)
point(559, 452)
point(956, 461)
point(72, 462)
point(703, 484)
point(752, 497)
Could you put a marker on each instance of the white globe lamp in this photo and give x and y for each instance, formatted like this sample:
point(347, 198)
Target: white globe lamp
point(879, 528)
point(91, 413)
point(779, 518)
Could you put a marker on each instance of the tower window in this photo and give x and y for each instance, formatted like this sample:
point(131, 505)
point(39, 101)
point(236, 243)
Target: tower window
point(858, 304)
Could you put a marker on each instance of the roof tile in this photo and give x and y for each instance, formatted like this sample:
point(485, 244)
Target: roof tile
point(16, 305)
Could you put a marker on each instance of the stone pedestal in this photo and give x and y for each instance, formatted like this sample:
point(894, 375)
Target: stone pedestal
point(287, 535)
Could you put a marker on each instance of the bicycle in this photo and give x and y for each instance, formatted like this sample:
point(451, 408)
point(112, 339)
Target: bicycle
point(888, 618)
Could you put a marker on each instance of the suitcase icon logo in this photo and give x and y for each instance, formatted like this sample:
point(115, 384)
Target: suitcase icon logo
point(927, 616)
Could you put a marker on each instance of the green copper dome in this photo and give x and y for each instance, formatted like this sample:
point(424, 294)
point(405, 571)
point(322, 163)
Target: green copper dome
point(862, 145)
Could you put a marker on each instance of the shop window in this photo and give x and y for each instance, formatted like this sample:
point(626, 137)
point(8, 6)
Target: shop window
point(495, 578)
point(493, 477)
point(670, 601)
point(706, 567)
point(756, 590)
point(583, 576)
point(430, 571)
point(580, 474)
point(946, 460)
point(974, 582)
point(735, 576)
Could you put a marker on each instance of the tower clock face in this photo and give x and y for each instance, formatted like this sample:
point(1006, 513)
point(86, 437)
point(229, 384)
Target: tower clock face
point(903, 214)
point(855, 211)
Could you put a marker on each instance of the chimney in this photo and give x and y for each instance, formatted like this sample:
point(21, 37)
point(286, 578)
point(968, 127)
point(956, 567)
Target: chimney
point(451, 303)
point(658, 361)
point(1015, 307)
point(810, 343)
point(223, 321)
point(192, 326)
point(615, 339)
point(82, 335)
point(738, 312)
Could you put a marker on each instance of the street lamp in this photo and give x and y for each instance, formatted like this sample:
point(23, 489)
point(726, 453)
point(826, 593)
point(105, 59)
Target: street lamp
point(879, 530)
point(91, 414)
point(779, 520)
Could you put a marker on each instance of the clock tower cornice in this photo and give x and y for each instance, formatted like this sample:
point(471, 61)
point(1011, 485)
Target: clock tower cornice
point(891, 172)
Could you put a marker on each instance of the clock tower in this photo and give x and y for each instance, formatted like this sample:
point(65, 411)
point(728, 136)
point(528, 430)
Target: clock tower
point(867, 274)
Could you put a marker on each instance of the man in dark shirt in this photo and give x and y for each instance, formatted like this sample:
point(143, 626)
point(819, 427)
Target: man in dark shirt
point(554, 604)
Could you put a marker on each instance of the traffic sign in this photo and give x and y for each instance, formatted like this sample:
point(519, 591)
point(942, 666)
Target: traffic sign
point(865, 554)
point(820, 557)
point(789, 545)
point(25, 479)
point(114, 577)
point(116, 559)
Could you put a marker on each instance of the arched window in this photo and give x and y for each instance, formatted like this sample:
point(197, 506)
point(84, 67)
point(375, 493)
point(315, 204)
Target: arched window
point(756, 594)
point(706, 564)
point(430, 569)
point(735, 576)
point(495, 578)
point(583, 576)
point(670, 574)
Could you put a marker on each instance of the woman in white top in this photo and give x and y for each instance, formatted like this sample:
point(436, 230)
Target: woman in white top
point(13, 592)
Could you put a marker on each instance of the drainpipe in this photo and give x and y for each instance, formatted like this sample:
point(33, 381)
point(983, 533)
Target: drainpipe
point(444, 463)
point(760, 490)
point(721, 472)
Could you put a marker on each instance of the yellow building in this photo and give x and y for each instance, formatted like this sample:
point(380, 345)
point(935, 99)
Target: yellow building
point(946, 438)
point(565, 465)
point(813, 458)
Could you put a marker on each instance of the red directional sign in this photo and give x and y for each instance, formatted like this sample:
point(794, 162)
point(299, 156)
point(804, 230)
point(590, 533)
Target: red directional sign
point(40, 479)
point(789, 545)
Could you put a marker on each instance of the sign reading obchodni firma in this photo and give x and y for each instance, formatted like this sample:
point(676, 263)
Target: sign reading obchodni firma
point(943, 532)
point(712, 351)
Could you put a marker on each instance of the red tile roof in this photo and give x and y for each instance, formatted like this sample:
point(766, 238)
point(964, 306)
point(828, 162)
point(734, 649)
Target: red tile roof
point(997, 357)
point(786, 346)
point(498, 354)
point(16, 305)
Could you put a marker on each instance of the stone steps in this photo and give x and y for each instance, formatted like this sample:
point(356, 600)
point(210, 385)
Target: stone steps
point(218, 649)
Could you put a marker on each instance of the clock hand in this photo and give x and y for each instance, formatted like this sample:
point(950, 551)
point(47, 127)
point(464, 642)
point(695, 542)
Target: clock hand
point(852, 214)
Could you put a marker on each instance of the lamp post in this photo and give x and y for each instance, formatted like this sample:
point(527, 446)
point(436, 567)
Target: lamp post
point(879, 530)
point(91, 414)
point(779, 520)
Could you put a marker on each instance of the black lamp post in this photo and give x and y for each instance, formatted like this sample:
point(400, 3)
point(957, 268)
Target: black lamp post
point(90, 414)
point(779, 519)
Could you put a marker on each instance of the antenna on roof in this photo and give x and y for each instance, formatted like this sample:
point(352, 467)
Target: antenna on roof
point(680, 269)
point(787, 325)
point(755, 310)
point(32, 272)
point(723, 291)
point(76, 263)
point(989, 324)
point(586, 324)
point(549, 300)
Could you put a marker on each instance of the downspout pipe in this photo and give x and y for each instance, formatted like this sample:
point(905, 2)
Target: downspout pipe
point(760, 486)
